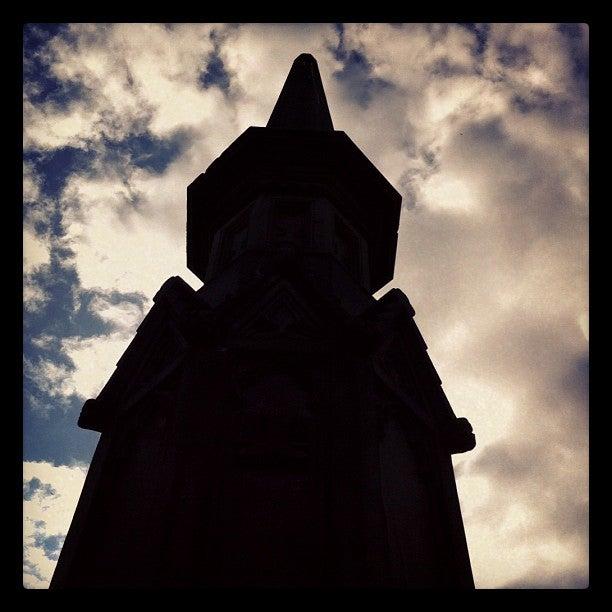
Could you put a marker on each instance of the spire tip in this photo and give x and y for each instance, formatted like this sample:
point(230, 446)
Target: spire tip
point(302, 104)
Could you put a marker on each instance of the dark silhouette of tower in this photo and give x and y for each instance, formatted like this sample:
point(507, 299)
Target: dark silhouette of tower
point(280, 426)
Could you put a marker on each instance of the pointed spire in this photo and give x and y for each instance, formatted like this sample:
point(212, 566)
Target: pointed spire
point(302, 104)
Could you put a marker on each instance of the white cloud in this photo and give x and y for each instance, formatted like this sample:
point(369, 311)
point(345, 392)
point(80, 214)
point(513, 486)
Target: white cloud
point(31, 183)
point(49, 129)
point(94, 359)
point(118, 248)
point(493, 254)
point(48, 516)
point(44, 341)
point(34, 297)
point(547, 66)
point(36, 250)
point(131, 74)
point(124, 316)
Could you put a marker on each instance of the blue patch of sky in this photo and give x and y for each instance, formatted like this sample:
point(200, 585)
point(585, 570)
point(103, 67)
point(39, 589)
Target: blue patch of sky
point(66, 313)
point(35, 486)
point(481, 33)
point(356, 73)
point(146, 151)
point(51, 221)
point(215, 74)
point(443, 67)
point(51, 545)
point(575, 34)
point(59, 317)
point(543, 101)
point(513, 56)
point(50, 422)
point(55, 166)
point(576, 380)
point(60, 282)
point(40, 84)
point(37, 35)
point(142, 150)
point(560, 109)
point(55, 436)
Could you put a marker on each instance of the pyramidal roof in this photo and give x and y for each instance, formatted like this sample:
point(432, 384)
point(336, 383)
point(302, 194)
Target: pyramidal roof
point(302, 104)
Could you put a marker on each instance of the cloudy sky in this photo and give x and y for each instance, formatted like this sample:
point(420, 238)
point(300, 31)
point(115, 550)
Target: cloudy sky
point(484, 131)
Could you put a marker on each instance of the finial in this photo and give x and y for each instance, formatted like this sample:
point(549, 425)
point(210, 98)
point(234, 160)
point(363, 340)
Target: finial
point(302, 104)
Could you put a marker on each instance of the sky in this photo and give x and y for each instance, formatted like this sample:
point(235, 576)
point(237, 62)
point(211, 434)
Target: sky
point(482, 128)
